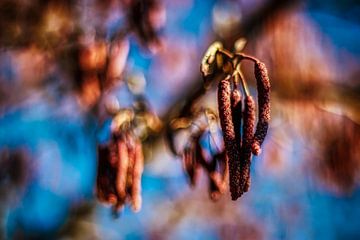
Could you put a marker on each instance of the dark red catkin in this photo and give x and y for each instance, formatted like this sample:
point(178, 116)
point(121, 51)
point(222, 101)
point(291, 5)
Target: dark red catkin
point(231, 147)
point(248, 135)
point(106, 176)
point(236, 110)
point(263, 88)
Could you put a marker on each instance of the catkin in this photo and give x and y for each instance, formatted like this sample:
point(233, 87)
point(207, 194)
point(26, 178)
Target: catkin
point(263, 87)
point(138, 168)
point(122, 169)
point(231, 146)
point(248, 135)
point(236, 110)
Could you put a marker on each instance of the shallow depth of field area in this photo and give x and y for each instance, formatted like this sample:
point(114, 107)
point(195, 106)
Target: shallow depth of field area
point(82, 80)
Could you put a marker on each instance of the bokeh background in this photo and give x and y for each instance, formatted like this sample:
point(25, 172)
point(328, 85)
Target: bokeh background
point(305, 184)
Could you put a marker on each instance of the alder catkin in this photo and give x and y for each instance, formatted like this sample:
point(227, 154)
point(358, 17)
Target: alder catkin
point(236, 110)
point(248, 135)
point(224, 103)
point(263, 88)
point(138, 168)
point(106, 175)
point(122, 168)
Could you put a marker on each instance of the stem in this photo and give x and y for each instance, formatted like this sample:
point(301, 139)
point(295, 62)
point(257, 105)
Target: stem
point(247, 57)
point(239, 74)
point(226, 53)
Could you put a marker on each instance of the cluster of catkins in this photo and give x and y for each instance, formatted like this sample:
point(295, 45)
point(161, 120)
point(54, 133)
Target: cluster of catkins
point(237, 113)
point(193, 160)
point(120, 167)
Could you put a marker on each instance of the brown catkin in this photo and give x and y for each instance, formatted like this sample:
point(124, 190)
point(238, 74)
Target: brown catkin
point(236, 110)
point(224, 103)
point(248, 135)
point(106, 175)
point(138, 168)
point(263, 87)
point(122, 169)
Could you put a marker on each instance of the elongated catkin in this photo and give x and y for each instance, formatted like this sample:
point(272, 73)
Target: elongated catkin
point(263, 87)
point(236, 111)
point(122, 169)
point(136, 177)
point(248, 135)
point(231, 146)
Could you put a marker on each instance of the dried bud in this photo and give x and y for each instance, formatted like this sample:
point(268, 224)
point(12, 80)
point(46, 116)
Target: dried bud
point(208, 63)
point(248, 135)
point(263, 87)
point(231, 145)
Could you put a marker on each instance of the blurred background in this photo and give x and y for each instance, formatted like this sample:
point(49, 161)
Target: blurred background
point(55, 104)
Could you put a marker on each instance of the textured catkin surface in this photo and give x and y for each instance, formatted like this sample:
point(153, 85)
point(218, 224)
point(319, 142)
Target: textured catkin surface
point(248, 134)
point(263, 87)
point(231, 146)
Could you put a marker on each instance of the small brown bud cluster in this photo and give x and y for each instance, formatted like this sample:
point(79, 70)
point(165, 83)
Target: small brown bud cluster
point(120, 167)
point(215, 168)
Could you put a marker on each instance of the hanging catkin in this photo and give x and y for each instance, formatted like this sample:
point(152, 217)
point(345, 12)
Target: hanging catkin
point(224, 103)
point(263, 87)
point(138, 168)
point(122, 168)
point(248, 135)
